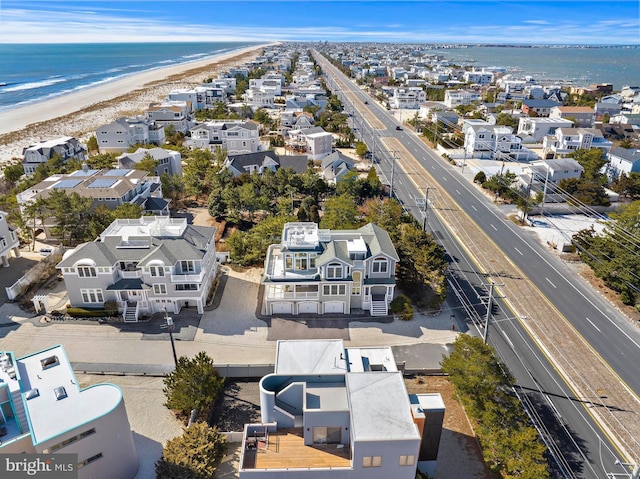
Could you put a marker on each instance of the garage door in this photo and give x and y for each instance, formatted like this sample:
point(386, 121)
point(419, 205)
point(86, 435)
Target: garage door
point(334, 307)
point(282, 308)
point(308, 307)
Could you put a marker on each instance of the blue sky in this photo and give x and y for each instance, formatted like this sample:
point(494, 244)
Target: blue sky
point(456, 21)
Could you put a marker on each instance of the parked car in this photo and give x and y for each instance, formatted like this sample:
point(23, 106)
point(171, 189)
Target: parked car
point(45, 251)
point(399, 128)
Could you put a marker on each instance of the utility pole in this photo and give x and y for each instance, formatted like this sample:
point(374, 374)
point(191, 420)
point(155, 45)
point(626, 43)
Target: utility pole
point(425, 209)
point(488, 317)
point(393, 168)
point(169, 326)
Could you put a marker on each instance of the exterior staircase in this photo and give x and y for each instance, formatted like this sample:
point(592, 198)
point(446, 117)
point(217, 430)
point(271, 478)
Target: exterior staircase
point(21, 415)
point(130, 314)
point(378, 308)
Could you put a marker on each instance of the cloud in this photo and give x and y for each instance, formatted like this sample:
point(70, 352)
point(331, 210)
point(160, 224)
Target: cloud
point(537, 22)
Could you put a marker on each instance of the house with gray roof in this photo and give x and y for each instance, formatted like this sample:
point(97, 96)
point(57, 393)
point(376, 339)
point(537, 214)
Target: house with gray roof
point(64, 147)
point(146, 265)
point(331, 411)
point(109, 187)
point(623, 161)
point(321, 271)
point(169, 161)
point(335, 166)
point(261, 161)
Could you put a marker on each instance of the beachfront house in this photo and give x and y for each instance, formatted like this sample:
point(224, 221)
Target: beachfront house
point(314, 271)
point(64, 148)
point(44, 411)
point(109, 187)
point(567, 140)
point(177, 114)
point(119, 135)
point(9, 240)
point(582, 116)
point(201, 97)
point(330, 411)
point(147, 265)
point(169, 161)
point(233, 136)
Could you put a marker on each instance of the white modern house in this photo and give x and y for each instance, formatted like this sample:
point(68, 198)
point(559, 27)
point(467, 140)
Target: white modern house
point(478, 77)
point(146, 265)
point(454, 98)
point(44, 411)
point(64, 147)
point(539, 127)
point(409, 98)
point(201, 97)
point(169, 161)
point(318, 271)
point(119, 135)
point(494, 142)
point(9, 240)
point(567, 140)
point(330, 411)
point(177, 114)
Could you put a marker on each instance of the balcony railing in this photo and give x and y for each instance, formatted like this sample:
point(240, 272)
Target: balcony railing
point(188, 278)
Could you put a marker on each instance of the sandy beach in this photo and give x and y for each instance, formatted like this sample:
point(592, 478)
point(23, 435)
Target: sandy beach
point(78, 114)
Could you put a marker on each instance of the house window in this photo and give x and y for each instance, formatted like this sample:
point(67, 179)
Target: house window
point(301, 263)
point(187, 266)
point(186, 287)
point(334, 270)
point(86, 271)
point(288, 261)
point(371, 461)
point(160, 288)
point(408, 460)
point(355, 286)
point(379, 265)
point(71, 440)
point(333, 289)
point(156, 270)
point(312, 260)
point(92, 296)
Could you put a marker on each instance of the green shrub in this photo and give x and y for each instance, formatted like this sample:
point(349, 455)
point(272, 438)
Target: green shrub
point(480, 177)
point(401, 306)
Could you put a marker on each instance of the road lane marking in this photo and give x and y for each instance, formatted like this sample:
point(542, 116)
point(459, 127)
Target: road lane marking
point(551, 283)
point(474, 208)
point(458, 191)
point(591, 323)
point(519, 251)
point(508, 340)
point(490, 224)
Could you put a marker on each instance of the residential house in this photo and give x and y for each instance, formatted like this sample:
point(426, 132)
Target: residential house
point(233, 136)
point(169, 161)
point(335, 166)
point(494, 142)
point(626, 119)
point(272, 85)
point(64, 147)
point(259, 98)
point(147, 265)
point(110, 188)
point(261, 161)
point(9, 240)
point(582, 116)
point(407, 98)
point(428, 107)
point(177, 114)
point(538, 128)
point(538, 108)
point(119, 135)
point(478, 77)
point(568, 140)
point(201, 97)
point(454, 98)
point(317, 271)
point(319, 142)
point(331, 411)
point(545, 175)
point(623, 161)
point(43, 410)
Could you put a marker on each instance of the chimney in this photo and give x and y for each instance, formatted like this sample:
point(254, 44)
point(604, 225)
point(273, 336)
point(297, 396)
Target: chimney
point(85, 167)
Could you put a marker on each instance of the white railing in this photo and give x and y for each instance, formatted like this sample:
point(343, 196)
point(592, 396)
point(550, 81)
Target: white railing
point(187, 278)
point(129, 274)
point(293, 295)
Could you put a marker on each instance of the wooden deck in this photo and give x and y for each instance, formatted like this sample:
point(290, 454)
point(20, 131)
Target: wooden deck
point(286, 449)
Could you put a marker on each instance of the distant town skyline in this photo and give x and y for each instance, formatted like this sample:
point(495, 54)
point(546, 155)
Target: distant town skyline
point(419, 21)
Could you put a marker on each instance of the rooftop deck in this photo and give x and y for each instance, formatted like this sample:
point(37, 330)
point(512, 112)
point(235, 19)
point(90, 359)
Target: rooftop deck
point(285, 449)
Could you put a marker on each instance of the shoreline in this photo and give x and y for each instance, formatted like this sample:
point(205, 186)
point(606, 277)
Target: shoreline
point(81, 112)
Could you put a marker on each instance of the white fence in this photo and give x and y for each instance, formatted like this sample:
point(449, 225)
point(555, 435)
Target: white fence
point(34, 274)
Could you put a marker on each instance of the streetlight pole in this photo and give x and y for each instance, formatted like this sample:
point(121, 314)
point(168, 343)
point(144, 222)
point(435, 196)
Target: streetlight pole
point(425, 211)
point(169, 325)
point(489, 306)
point(393, 168)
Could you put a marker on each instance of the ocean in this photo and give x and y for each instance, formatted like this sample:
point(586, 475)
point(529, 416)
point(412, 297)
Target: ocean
point(36, 72)
point(582, 65)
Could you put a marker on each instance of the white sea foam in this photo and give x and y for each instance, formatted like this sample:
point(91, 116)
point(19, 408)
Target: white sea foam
point(34, 85)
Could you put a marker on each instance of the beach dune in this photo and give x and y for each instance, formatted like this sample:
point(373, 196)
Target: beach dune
point(80, 113)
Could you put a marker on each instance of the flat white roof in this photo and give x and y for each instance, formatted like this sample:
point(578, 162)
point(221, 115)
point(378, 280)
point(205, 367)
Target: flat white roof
point(326, 397)
point(51, 415)
point(380, 409)
point(371, 359)
point(310, 357)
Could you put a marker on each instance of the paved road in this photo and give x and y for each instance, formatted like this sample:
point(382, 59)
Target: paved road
point(582, 448)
